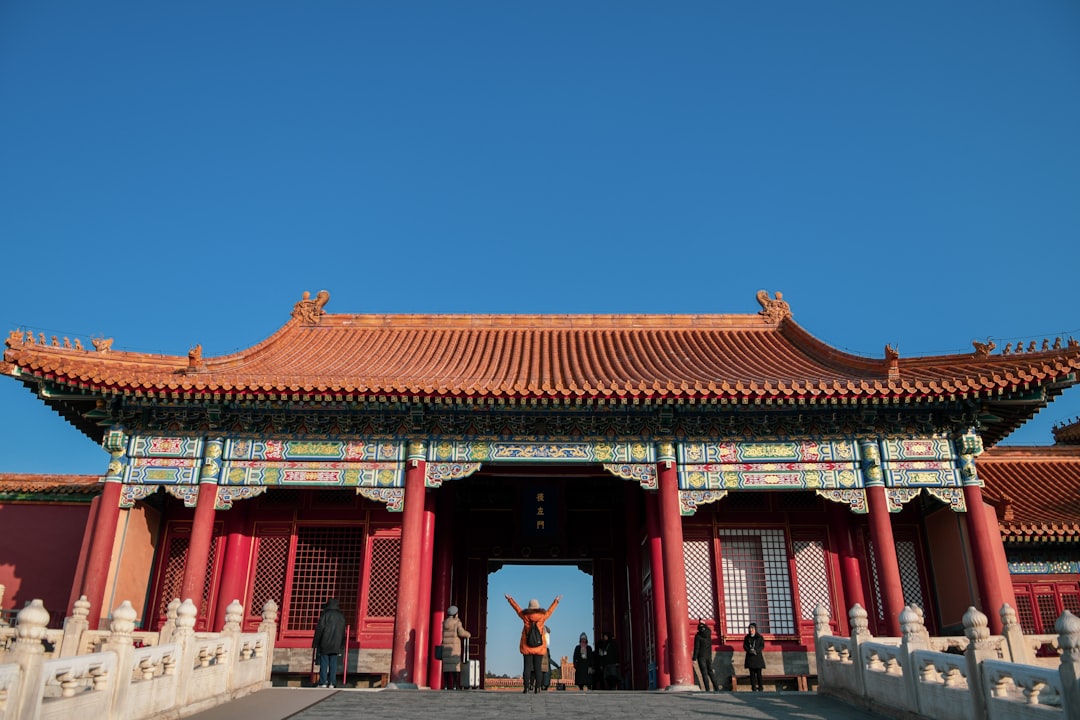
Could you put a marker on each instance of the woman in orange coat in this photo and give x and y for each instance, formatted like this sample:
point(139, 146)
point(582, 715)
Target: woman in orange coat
point(533, 655)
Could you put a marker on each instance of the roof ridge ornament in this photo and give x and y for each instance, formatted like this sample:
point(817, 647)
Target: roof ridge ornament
point(984, 349)
point(892, 362)
point(309, 311)
point(774, 309)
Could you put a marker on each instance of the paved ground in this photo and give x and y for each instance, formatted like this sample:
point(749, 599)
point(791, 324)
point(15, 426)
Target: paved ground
point(316, 704)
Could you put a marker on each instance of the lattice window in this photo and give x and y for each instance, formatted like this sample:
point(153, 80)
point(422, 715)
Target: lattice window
point(172, 576)
point(327, 564)
point(699, 582)
point(1025, 615)
point(812, 577)
point(1070, 602)
point(911, 587)
point(383, 584)
point(173, 571)
point(1047, 611)
point(270, 568)
point(757, 587)
point(908, 560)
point(208, 581)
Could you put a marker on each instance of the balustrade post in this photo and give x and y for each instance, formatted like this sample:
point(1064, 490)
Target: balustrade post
point(269, 626)
point(1068, 629)
point(822, 628)
point(29, 654)
point(74, 627)
point(1019, 650)
point(120, 642)
point(913, 636)
point(234, 617)
point(165, 635)
point(184, 639)
point(860, 633)
point(980, 647)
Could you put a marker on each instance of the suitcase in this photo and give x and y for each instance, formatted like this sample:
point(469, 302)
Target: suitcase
point(470, 669)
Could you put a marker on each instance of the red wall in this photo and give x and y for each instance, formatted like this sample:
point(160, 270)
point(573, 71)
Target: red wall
point(39, 549)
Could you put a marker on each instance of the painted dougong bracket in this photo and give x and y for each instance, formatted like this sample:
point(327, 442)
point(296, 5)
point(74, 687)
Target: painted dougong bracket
point(854, 498)
point(436, 473)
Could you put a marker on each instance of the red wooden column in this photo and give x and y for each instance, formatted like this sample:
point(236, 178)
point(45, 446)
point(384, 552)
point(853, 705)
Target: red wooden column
point(851, 574)
point(440, 596)
point(424, 630)
point(888, 568)
point(234, 568)
point(99, 558)
point(659, 587)
point(981, 533)
point(403, 653)
point(193, 584)
point(682, 672)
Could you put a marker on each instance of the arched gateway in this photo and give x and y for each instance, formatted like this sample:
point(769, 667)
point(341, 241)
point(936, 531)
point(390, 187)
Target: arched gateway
point(726, 467)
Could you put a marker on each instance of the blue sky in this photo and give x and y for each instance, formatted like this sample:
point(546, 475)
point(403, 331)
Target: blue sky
point(173, 174)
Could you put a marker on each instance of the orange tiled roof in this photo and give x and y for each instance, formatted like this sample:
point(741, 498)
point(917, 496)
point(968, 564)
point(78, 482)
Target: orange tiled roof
point(31, 484)
point(1037, 490)
point(763, 357)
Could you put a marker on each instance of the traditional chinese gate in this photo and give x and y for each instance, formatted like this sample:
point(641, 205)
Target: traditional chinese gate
point(581, 517)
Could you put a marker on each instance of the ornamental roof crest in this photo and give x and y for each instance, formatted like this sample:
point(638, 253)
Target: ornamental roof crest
point(775, 309)
point(309, 311)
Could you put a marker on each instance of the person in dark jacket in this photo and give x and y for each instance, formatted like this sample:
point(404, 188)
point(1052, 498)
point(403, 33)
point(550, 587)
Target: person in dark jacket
point(703, 654)
point(584, 662)
point(329, 641)
point(607, 658)
point(754, 645)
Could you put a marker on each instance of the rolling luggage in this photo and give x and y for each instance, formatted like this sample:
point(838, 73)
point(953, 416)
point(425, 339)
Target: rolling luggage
point(470, 669)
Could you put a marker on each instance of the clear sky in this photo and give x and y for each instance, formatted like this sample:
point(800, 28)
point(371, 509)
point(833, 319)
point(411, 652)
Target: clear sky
point(179, 173)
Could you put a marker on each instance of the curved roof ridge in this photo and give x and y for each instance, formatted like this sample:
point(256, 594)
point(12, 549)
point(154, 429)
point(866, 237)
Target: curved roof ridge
point(528, 321)
point(827, 354)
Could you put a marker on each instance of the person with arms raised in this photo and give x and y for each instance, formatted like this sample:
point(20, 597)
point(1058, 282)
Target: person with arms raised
point(532, 646)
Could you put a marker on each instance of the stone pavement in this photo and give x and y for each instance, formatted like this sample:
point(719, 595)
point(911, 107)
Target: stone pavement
point(321, 704)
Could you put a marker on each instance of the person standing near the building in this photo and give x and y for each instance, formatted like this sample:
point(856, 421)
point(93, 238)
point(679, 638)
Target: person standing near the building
point(584, 662)
point(545, 682)
point(754, 645)
point(453, 631)
point(703, 654)
point(532, 646)
point(607, 654)
point(329, 641)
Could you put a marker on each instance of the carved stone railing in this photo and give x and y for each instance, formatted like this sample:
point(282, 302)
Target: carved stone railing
point(981, 677)
point(188, 673)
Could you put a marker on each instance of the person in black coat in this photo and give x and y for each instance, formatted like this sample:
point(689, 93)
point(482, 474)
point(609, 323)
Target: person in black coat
point(584, 662)
point(607, 660)
point(329, 641)
point(754, 645)
point(703, 654)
